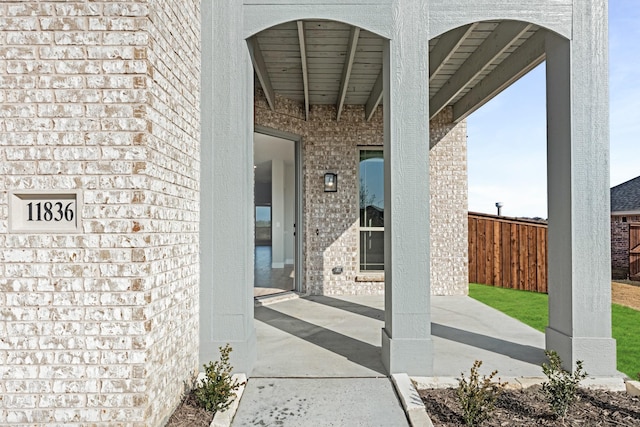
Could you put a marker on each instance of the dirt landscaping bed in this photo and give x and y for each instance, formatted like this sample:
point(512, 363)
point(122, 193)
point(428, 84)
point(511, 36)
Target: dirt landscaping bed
point(189, 414)
point(527, 407)
point(626, 294)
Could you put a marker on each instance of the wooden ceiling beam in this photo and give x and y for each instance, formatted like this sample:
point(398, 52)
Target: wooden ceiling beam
point(346, 70)
point(504, 35)
point(529, 55)
point(447, 45)
point(260, 69)
point(305, 67)
point(374, 98)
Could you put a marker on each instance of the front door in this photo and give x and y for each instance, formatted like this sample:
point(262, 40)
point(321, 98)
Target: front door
point(275, 205)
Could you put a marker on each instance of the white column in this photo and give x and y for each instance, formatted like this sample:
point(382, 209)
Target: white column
point(578, 190)
point(226, 198)
point(406, 337)
point(277, 213)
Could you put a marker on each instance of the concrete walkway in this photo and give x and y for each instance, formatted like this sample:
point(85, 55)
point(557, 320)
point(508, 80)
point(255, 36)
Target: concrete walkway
point(319, 358)
point(314, 402)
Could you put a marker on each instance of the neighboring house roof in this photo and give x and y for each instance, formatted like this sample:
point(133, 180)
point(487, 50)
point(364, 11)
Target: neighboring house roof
point(625, 197)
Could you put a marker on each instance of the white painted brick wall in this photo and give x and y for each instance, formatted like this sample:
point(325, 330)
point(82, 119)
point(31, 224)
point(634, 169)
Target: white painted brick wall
point(333, 146)
point(100, 327)
point(449, 205)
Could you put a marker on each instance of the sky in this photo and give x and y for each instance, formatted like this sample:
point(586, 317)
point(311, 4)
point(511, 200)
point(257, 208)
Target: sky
point(507, 136)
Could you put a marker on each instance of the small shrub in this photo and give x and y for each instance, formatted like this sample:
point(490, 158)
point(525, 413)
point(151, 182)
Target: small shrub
point(638, 376)
point(217, 390)
point(477, 397)
point(561, 388)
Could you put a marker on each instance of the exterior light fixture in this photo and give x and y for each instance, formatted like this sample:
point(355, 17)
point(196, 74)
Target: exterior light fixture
point(330, 182)
point(499, 205)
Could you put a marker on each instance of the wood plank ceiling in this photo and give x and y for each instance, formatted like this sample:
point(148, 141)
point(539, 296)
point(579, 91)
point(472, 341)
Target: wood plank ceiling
point(326, 62)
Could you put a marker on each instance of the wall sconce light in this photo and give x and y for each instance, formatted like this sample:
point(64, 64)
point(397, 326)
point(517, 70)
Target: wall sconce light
point(330, 182)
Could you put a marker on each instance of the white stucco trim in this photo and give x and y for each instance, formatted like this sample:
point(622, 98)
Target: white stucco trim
point(375, 18)
point(555, 15)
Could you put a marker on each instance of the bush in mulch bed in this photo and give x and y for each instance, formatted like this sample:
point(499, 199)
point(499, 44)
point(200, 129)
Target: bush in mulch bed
point(215, 392)
point(528, 407)
point(190, 414)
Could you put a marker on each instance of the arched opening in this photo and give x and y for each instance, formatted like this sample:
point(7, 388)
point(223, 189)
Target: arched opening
point(311, 74)
point(508, 51)
point(469, 66)
point(321, 80)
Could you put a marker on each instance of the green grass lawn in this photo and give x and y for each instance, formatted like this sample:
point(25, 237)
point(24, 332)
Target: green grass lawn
point(532, 308)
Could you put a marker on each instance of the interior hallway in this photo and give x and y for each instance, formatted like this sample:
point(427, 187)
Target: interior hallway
point(267, 280)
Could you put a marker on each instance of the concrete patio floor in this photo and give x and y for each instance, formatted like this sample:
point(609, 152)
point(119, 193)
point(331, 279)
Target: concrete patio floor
point(341, 336)
point(319, 359)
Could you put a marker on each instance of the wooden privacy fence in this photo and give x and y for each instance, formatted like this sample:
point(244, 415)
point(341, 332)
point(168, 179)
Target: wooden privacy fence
point(634, 250)
point(508, 252)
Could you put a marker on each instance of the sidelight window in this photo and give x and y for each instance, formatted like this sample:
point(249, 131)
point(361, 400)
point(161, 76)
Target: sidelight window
point(371, 200)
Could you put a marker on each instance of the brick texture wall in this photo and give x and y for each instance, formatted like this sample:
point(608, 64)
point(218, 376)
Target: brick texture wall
point(449, 205)
point(100, 327)
point(172, 197)
point(331, 219)
point(620, 244)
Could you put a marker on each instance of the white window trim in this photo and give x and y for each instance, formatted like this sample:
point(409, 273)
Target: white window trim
point(366, 275)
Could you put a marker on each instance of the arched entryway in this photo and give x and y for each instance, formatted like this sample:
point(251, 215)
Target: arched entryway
point(574, 153)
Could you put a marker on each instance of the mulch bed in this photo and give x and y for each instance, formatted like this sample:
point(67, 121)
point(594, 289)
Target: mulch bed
point(189, 414)
point(515, 408)
point(528, 408)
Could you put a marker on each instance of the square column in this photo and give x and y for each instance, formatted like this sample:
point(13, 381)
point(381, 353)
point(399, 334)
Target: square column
point(226, 201)
point(406, 337)
point(578, 191)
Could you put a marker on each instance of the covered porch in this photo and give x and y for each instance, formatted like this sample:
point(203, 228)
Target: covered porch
point(424, 63)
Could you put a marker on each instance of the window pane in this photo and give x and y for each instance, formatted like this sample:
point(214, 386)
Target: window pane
point(372, 251)
point(371, 188)
point(263, 224)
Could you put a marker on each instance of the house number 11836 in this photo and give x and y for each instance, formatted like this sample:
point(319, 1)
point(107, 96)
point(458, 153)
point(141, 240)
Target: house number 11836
point(49, 211)
point(33, 211)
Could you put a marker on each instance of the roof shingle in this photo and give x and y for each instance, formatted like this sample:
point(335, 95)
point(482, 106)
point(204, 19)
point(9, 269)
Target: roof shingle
point(625, 197)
